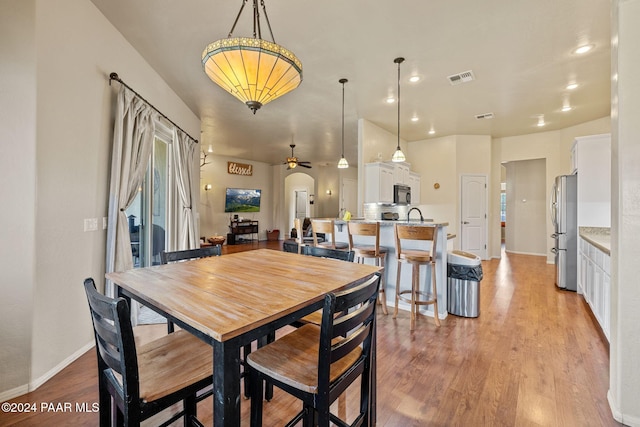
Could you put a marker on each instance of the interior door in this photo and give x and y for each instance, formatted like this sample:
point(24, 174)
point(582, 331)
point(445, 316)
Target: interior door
point(301, 204)
point(473, 215)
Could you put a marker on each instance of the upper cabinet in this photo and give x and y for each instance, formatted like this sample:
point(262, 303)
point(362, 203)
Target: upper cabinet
point(591, 160)
point(401, 172)
point(379, 179)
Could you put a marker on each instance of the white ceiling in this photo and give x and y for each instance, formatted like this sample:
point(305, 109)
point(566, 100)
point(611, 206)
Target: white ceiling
point(519, 50)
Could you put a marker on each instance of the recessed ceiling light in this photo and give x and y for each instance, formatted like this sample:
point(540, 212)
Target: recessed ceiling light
point(414, 79)
point(572, 86)
point(583, 49)
point(541, 121)
point(414, 119)
point(431, 131)
point(391, 100)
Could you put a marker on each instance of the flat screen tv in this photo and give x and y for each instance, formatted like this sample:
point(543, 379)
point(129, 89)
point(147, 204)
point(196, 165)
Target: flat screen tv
point(242, 200)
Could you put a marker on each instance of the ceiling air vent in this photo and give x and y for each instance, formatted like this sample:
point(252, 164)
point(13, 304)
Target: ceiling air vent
point(464, 77)
point(484, 116)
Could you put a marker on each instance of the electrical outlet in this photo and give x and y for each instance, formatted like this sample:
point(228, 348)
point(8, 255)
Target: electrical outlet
point(90, 224)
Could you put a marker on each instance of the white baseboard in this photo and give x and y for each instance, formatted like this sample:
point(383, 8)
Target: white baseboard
point(33, 385)
point(619, 416)
point(14, 392)
point(60, 366)
point(525, 253)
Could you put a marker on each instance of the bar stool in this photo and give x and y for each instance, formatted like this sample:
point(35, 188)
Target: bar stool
point(416, 257)
point(371, 251)
point(326, 226)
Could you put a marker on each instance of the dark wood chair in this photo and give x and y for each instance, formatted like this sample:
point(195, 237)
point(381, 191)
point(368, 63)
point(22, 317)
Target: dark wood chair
point(321, 252)
point(319, 374)
point(185, 255)
point(146, 380)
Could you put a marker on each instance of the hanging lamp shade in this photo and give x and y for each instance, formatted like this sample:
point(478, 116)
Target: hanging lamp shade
point(254, 70)
point(398, 156)
point(342, 163)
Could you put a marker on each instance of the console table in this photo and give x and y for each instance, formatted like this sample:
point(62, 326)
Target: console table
point(238, 227)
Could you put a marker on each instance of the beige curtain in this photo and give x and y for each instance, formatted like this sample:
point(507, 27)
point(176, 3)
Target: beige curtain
point(133, 136)
point(184, 151)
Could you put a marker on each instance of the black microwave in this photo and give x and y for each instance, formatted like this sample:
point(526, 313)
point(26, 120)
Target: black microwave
point(401, 194)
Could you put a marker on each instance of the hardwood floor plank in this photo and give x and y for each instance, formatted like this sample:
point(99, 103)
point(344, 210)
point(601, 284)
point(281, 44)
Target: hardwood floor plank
point(534, 357)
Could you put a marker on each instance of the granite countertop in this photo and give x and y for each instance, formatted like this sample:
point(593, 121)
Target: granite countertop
point(600, 237)
point(426, 222)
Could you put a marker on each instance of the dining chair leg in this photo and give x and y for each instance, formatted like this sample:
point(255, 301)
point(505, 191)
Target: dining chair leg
point(436, 317)
point(398, 270)
point(382, 294)
point(256, 400)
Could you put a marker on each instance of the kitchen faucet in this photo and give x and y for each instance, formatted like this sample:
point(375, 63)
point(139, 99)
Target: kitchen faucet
point(409, 213)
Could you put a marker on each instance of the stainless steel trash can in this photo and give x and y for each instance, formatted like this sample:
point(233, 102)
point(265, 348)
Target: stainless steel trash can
point(464, 273)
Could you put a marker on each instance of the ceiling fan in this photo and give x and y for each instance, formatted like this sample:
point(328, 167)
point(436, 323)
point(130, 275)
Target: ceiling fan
point(293, 161)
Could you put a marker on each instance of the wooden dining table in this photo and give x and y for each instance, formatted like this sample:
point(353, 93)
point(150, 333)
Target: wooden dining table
point(232, 300)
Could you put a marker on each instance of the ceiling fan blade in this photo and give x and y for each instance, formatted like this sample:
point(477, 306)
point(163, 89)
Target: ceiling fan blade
point(304, 166)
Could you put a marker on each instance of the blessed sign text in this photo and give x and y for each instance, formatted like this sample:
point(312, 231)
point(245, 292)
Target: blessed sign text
point(239, 168)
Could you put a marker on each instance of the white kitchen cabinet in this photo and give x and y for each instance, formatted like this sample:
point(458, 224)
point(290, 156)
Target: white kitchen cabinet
point(594, 277)
point(401, 172)
point(378, 183)
point(591, 160)
point(414, 183)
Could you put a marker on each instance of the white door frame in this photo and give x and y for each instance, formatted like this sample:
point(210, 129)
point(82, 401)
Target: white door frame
point(483, 252)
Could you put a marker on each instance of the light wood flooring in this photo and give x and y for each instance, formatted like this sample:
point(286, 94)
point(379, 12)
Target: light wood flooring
point(534, 357)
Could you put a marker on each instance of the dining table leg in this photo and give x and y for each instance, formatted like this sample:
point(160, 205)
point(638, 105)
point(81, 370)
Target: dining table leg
point(226, 383)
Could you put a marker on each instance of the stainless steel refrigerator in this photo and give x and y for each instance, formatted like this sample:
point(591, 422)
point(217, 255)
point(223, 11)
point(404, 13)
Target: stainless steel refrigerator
point(564, 215)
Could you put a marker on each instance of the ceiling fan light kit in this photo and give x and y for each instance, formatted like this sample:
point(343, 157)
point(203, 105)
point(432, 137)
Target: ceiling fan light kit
point(292, 162)
point(253, 70)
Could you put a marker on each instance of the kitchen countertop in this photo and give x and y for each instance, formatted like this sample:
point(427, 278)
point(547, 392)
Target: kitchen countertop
point(413, 221)
point(600, 237)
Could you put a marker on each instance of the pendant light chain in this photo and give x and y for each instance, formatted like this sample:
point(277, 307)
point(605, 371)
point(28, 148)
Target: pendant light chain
point(398, 156)
point(342, 163)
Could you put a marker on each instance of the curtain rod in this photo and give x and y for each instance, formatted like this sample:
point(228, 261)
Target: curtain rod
point(114, 76)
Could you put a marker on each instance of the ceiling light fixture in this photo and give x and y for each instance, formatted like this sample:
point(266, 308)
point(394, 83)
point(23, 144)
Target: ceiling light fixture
point(342, 163)
point(415, 119)
point(391, 100)
point(414, 79)
point(398, 156)
point(566, 106)
point(253, 70)
point(541, 120)
point(432, 131)
point(572, 86)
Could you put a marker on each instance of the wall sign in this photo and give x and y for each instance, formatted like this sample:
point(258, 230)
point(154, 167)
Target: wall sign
point(234, 168)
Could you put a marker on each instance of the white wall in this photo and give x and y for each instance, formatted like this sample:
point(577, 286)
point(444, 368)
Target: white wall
point(526, 207)
point(17, 192)
point(624, 383)
point(554, 147)
point(213, 219)
point(61, 145)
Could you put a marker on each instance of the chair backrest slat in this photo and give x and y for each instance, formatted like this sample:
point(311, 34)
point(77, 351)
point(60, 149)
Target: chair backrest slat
point(115, 343)
point(321, 252)
point(415, 232)
point(187, 254)
point(325, 226)
point(340, 335)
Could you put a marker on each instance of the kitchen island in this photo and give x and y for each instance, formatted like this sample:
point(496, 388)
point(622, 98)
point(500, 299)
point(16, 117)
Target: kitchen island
point(387, 239)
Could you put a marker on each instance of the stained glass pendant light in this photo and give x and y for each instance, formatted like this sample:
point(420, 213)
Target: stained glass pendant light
point(398, 156)
point(342, 163)
point(254, 70)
